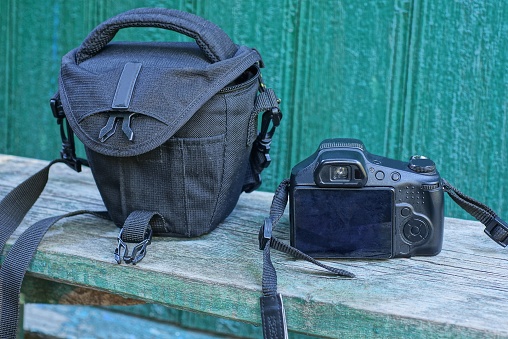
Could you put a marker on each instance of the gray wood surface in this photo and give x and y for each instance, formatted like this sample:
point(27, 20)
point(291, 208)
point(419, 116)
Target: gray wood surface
point(461, 292)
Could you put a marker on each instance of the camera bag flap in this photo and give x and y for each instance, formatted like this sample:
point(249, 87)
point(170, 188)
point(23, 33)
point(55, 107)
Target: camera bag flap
point(162, 84)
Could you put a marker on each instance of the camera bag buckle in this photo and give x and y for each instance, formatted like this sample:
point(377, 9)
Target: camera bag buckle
point(264, 139)
point(268, 103)
point(265, 233)
point(138, 252)
point(497, 230)
point(68, 151)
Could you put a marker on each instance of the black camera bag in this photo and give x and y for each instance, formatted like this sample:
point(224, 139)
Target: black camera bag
point(187, 114)
point(170, 134)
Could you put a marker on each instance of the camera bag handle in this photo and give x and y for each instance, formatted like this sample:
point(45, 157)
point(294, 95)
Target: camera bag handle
point(272, 309)
point(212, 40)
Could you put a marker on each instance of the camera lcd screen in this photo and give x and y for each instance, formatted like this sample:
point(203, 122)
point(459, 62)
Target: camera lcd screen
point(343, 223)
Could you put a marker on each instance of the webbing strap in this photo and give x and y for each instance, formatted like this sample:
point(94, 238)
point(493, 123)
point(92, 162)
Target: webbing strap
point(13, 209)
point(138, 228)
point(15, 205)
point(14, 268)
point(272, 309)
point(495, 227)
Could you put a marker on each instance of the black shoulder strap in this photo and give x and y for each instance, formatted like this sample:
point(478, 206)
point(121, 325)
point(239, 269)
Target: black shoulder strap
point(18, 202)
point(13, 209)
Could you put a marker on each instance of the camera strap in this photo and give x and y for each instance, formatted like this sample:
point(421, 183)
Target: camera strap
point(495, 227)
point(272, 309)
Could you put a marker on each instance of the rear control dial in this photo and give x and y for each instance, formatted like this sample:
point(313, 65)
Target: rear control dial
point(416, 230)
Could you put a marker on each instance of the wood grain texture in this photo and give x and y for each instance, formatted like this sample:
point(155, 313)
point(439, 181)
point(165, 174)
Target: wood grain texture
point(460, 293)
point(455, 109)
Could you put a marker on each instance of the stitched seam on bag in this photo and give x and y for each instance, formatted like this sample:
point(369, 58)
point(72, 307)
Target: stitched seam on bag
point(181, 147)
point(223, 169)
point(123, 196)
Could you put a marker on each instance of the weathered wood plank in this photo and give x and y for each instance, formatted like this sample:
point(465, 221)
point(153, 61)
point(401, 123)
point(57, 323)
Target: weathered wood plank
point(42, 291)
point(44, 321)
point(456, 103)
point(461, 292)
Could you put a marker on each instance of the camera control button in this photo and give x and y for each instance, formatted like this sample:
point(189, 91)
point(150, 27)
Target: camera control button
point(416, 230)
point(429, 187)
point(405, 211)
point(395, 176)
point(380, 175)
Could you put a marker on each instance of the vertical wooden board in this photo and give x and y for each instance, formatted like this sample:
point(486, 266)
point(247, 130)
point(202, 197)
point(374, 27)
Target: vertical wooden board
point(330, 62)
point(27, 66)
point(338, 67)
point(340, 75)
point(405, 77)
point(455, 110)
point(37, 35)
point(5, 34)
point(268, 27)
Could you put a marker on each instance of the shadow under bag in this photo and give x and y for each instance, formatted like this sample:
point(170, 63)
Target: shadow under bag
point(170, 131)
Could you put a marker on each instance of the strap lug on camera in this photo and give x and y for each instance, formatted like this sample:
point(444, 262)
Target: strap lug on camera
point(497, 230)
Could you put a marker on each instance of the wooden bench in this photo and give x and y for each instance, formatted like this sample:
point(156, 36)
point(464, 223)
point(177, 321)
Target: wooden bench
point(462, 292)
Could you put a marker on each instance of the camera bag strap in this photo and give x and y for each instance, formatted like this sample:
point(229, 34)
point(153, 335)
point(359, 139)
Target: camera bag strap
point(272, 309)
point(13, 209)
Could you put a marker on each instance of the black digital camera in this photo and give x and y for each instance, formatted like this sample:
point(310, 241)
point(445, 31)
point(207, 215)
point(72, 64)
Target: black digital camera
point(348, 203)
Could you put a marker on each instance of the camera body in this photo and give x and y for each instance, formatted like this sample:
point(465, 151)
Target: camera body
point(348, 203)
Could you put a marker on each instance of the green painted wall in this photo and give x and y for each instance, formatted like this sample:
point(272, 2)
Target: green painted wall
point(407, 77)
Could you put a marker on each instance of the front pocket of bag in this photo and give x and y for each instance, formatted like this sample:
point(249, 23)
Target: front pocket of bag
point(186, 177)
point(180, 179)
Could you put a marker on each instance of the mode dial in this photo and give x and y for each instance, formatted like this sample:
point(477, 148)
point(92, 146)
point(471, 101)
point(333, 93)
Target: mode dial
point(421, 164)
